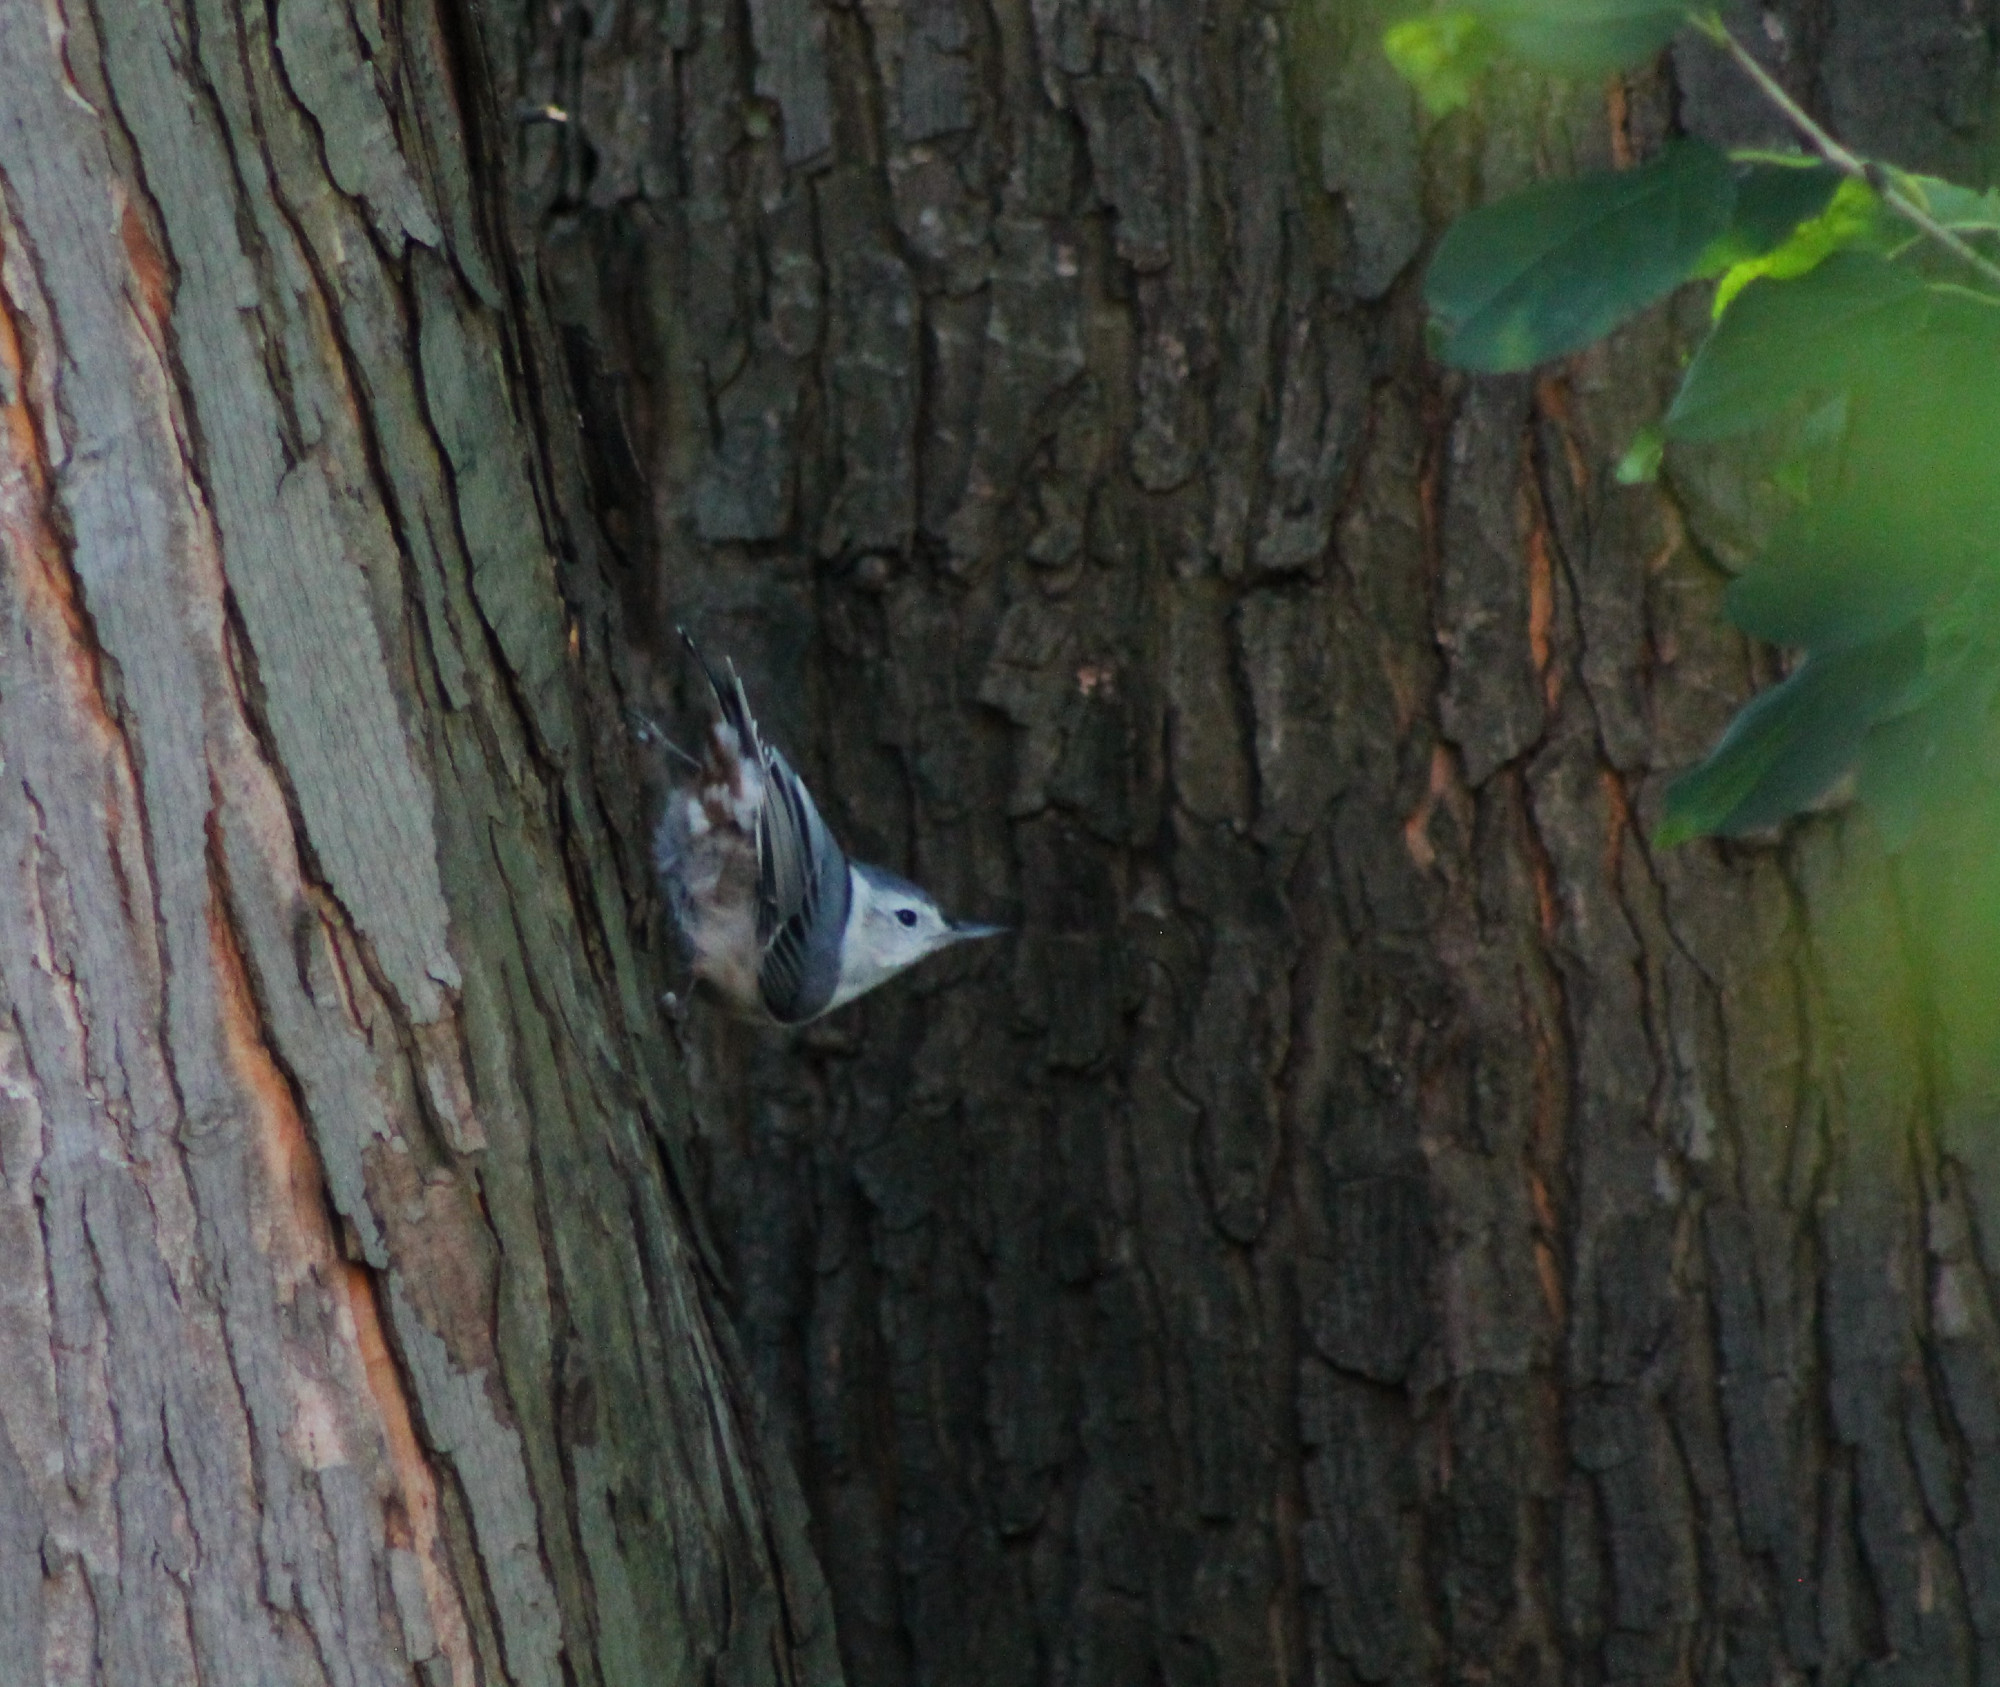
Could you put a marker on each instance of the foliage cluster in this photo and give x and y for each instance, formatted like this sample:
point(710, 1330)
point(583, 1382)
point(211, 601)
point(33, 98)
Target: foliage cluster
point(1855, 332)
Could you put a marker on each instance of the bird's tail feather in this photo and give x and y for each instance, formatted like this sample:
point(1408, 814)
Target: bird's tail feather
point(732, 765)
point(730, 699)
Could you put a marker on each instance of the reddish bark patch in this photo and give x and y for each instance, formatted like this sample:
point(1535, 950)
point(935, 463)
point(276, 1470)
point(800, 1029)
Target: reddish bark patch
point(1618, 808)
point(1542, 613)
point(412, 1526)
point(153, 283)
point(298, 1231)
point(27, 536)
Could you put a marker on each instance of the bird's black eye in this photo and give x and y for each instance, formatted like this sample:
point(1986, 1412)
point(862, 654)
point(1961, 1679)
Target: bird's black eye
point(908, 916)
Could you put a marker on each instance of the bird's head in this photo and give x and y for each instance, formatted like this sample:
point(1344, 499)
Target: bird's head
point(893, 924)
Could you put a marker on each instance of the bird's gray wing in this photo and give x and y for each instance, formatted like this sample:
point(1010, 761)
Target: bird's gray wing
point(802, 896)
point(802, 887)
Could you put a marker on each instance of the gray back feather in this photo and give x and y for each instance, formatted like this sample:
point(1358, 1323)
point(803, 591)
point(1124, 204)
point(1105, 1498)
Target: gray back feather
point(802, 897)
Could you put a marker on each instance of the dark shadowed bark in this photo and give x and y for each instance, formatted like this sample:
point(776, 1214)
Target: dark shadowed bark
point(351, 1329)
point(1378, 1220)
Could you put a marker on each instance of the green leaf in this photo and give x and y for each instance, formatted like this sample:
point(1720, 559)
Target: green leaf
point(1442, 57)
point(1584, 37)
point(1789, 744)
point(1831, 580)
point(1783, 341)
point(1775, 193)
point(1915, 483)
point(1914, 764)
point(1853, 218)
point(1908, 526)
point(1554, 267)
point(1959, 632)
point(1641, 463)
point(1969, 210)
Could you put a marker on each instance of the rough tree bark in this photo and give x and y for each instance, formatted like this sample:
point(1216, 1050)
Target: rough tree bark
point(1378, 1220)
point(350, 1326)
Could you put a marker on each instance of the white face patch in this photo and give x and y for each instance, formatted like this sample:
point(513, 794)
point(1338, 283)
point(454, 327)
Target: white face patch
point(889, 928)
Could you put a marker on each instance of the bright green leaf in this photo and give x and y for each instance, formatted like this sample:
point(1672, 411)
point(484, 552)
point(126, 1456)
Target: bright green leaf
point(1788, 745)
point(1584, 37)
point(1641, 463)
point(1442, 57)
point(1783, 341)
point(1552, 268)
point(1853, 218)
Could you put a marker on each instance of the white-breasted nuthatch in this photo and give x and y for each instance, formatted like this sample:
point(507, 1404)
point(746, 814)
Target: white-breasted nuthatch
point(773, 913)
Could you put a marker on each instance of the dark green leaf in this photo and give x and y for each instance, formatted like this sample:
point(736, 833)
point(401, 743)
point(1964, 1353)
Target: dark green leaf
point(1789, 744)
point(1833, 578)
point(1786, 340)
point(1442, 56)
point(1909, 527)
point(1772, 199)
point(1584, 37)
point(1916, 486)
point(1559, 265)
point(1920, 761)
point(1960, 636)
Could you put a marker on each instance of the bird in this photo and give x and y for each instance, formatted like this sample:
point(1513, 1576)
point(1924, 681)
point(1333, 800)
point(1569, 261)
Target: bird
point(773, 914)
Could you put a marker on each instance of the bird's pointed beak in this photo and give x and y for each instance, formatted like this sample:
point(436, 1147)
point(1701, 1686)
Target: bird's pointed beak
point(964, 929)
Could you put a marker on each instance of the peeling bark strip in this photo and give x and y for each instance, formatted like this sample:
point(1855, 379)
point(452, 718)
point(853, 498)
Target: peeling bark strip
point(1379, 1223)
point(348, 1331)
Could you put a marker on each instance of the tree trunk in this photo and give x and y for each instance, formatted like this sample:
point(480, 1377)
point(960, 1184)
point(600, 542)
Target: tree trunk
point(1378, 1220)
point(350, 1326)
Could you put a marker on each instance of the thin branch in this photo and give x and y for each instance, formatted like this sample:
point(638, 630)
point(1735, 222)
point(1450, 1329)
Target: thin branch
point(1850, 164)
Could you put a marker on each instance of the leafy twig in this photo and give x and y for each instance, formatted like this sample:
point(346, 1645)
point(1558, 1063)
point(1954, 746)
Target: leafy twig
point(1861, 169)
